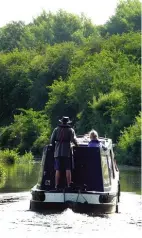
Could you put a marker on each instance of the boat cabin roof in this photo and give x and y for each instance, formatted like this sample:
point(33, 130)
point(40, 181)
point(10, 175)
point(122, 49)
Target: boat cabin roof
point(83, 140)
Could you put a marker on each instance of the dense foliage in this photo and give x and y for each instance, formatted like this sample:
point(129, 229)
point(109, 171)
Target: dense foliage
point(129, 145)
point(62, 64)
point(10, 157)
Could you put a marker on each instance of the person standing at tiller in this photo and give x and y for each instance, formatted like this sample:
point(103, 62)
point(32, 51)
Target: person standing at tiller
point(61, 139)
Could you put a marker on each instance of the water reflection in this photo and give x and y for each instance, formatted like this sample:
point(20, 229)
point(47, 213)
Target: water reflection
point(22, 177)
point(19, 177)
point(130, 179)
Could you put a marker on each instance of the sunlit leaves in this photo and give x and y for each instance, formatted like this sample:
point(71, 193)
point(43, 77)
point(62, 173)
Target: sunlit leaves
point(129, 145)
point(127, 17)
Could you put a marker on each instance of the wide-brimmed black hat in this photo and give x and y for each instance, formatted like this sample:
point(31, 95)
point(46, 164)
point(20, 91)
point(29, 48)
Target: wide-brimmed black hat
point(65, 120)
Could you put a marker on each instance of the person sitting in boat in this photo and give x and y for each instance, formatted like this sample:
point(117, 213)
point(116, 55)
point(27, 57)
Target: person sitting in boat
point(61, 139)
point(94, 140)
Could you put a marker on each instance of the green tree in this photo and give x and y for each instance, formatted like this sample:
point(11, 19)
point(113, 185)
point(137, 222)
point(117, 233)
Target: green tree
point(15, 83)
point(128, 43)
point(29, 132)
point(44, 69)
point(49, 28)
point(109, 114)
point(59, 104)
point(10, 36)
point(127, 17)
point(129, 145)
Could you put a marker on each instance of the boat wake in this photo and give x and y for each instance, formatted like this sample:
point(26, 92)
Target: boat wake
point(16, 219)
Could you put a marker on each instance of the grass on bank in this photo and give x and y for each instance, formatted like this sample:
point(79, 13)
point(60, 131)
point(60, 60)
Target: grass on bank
point(11, 157)
point(2, 176)
point(2, 172)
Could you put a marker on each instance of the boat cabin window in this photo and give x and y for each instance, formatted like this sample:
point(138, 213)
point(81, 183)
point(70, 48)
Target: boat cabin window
point(112, 164)
point(105, 170)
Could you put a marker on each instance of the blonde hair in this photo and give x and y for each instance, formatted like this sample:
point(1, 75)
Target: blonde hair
point(93, 134)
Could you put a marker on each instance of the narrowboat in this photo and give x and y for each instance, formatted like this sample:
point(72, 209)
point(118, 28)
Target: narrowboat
point(95, 184)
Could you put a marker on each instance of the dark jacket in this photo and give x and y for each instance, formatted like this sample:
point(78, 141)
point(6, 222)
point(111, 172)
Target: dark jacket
point(61, 139)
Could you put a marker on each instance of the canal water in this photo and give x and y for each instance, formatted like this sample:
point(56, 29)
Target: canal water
point(16, 220)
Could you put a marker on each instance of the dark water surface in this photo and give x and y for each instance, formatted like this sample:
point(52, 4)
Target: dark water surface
point(17, 221)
